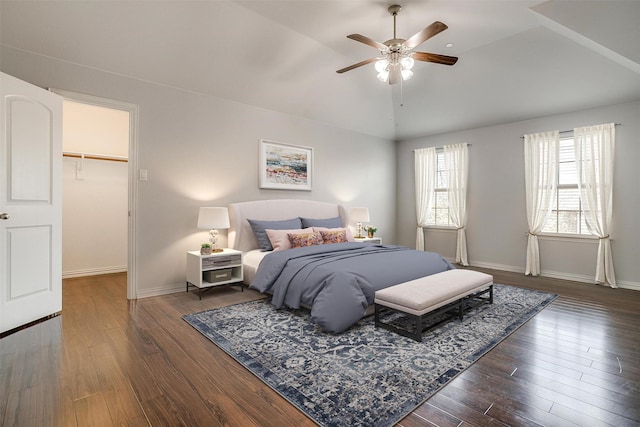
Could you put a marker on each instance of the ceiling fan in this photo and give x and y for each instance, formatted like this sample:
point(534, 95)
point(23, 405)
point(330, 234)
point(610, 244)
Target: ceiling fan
point(397, 55)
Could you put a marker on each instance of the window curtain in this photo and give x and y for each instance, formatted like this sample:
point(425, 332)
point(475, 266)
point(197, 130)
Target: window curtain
point(540, 168)
point(457, 166)
point(425, 170)
point(594, 165)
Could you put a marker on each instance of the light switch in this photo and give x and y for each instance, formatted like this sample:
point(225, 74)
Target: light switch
point(143, 174)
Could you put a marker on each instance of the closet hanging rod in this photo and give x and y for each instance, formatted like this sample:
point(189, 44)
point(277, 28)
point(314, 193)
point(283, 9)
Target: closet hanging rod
point(96, 157)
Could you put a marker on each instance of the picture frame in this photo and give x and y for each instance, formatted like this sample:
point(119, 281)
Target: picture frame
point(285, 166)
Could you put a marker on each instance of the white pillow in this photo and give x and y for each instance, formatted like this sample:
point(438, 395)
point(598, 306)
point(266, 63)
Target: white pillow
point(280, 240)
point(345, 229)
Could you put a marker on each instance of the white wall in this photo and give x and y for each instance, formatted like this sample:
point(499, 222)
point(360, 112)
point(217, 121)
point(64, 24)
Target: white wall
point(94, 217)
point(92, 129)
point(497, 219)
point(203, 151)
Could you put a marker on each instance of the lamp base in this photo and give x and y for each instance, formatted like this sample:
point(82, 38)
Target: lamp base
point(217, 250)
point(359, 231)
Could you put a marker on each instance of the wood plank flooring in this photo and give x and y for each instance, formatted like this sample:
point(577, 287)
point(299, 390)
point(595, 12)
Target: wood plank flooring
point(108, 361)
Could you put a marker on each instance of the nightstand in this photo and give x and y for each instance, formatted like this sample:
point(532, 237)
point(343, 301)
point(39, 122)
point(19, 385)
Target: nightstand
point(219, 268)
point(372, 240)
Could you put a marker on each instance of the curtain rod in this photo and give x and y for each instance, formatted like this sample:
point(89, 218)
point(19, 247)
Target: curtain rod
point(569, 131)
point(95, 157)
point(442, 148)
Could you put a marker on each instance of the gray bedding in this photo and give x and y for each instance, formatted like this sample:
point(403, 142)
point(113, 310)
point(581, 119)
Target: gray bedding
point(338, 281)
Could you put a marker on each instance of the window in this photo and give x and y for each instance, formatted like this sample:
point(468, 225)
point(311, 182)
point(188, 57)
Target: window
point(566, 216)
point(439, 215)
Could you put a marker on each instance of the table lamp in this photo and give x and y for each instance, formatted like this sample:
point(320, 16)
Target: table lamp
point(213, 219)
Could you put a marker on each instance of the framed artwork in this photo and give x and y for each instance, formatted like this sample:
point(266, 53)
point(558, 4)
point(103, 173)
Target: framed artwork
point(284, 166)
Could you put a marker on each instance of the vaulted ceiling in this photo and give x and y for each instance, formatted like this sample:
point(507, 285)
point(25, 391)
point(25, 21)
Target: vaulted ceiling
point(518, 59)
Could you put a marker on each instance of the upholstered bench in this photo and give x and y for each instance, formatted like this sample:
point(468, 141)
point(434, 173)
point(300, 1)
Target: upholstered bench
point(426, 297)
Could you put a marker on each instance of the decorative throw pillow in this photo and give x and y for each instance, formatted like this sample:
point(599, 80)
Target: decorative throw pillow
point(280, 238)
point(322, 222)
point(305, 239)
point(347, 232)
point(259, 227)
point(334, 236)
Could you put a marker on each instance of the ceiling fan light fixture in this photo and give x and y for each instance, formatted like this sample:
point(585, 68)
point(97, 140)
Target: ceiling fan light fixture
point(383, 75)
point(406, 74)
point(407, 63)
point(382, 65)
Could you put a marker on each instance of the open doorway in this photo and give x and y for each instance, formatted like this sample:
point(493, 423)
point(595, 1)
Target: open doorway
point(99, 140)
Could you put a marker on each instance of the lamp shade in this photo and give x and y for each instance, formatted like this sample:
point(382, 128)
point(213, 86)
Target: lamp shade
point(213, 218)
point(359, 214)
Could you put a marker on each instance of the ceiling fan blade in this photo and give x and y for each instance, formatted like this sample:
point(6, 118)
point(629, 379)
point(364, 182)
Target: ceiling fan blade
point(366, 40)
point(424, 35)
point(434, 57)
point(359, 64)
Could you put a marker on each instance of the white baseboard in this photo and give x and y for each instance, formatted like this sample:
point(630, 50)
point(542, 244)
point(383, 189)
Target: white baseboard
point(567, 276)
point(553, 274)
point(94, 271)
point(625, 284)
point(154, 292)
point(501, 267)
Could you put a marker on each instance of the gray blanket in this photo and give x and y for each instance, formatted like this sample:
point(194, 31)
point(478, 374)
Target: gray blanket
point(339, 281)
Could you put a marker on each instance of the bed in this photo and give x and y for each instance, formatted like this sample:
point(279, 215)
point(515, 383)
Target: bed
point(337, 281)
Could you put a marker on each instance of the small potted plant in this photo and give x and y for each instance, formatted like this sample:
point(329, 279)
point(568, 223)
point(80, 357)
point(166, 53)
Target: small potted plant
point(370, 229)
point(205, 249)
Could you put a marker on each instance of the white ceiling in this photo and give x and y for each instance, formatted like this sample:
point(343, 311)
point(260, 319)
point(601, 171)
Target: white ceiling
point(518, 59)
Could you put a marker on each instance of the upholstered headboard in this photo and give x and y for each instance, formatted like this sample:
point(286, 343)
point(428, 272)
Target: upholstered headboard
point(240, 234)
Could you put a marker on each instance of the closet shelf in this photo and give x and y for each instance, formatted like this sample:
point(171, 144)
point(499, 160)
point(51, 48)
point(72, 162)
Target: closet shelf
point(96, 157)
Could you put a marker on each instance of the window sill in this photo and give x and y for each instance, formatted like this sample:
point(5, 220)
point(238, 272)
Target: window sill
point(574, 238)
point(439, 228)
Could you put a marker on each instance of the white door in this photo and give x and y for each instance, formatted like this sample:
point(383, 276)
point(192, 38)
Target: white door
point(30, 203)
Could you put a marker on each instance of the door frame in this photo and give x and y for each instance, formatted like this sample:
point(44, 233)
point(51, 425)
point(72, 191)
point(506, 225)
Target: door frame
point(133, 111)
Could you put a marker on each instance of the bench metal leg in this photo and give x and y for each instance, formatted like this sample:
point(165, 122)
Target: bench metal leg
point(418, 331)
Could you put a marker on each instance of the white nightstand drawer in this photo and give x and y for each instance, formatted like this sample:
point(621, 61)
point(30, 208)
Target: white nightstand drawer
point(220, 261)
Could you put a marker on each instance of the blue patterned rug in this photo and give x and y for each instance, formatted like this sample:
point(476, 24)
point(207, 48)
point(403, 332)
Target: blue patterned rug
point(364, 376)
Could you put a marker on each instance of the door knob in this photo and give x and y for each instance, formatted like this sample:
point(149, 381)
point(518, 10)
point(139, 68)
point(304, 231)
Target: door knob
point(4, 215)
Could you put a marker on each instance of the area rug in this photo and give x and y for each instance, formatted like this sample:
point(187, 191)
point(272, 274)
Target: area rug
point(364, 376)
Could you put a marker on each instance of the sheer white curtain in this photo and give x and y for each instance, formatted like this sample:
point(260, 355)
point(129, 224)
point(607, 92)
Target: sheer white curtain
point(457, 166)
point(425, 169)
point(595, 146)
point(540, 165)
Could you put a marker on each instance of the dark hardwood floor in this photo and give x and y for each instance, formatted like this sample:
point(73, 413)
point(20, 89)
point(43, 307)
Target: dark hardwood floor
point(108, 361)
